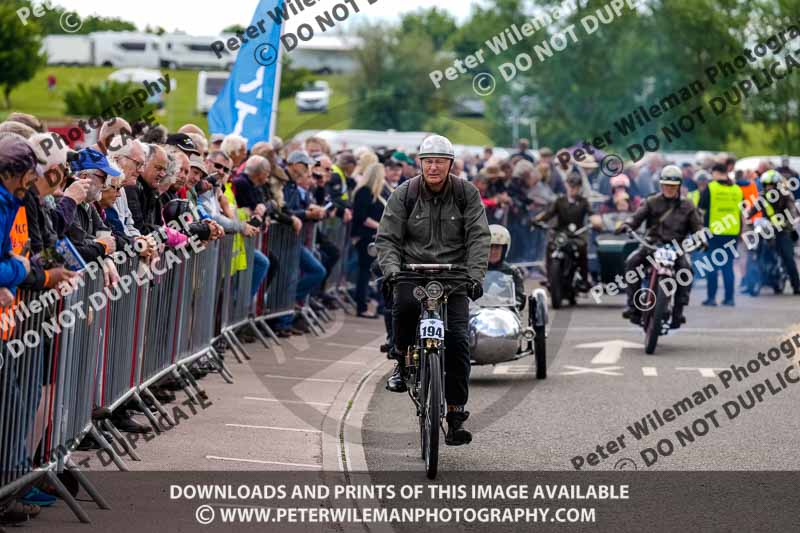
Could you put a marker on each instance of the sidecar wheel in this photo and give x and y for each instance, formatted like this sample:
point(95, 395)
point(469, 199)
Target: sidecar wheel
point(540, 352)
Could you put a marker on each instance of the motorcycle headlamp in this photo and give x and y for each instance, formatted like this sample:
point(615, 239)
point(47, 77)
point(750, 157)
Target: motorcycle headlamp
point(435, 290)
point(419, 293)
point(561, 239)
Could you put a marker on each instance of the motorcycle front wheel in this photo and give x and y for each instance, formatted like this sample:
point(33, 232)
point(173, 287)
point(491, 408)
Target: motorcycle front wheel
point(657, 317)
point(433, 414)
point(554, 279)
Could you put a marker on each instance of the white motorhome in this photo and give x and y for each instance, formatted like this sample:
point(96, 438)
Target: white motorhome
point(179, 50)
point(125, 49)
point(68, 49)
point(209, 85)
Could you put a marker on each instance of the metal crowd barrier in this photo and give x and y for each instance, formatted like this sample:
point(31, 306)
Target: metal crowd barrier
point(339, 234)
point(55, 392)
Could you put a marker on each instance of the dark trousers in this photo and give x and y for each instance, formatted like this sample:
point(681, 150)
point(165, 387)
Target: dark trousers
point(639, 258)
point(785, 248)
point(329, 256)
point(364, 274)
point(718, 242)
point(405, 316)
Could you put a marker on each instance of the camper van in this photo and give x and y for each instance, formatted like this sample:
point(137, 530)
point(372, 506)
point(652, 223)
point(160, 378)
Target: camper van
point(209, 85)
point(125, 49)
point(185, 51)
point(68, 49)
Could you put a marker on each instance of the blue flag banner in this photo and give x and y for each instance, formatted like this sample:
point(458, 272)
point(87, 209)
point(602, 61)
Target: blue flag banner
point(244, 107)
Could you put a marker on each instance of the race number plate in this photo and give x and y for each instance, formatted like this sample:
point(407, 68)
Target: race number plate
point(431, 329)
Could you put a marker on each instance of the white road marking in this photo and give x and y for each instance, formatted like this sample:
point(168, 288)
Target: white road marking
point(300, 465)
point(512, 369)
point(247, 426)
point(606, 371)
point(295, 378)
point(611, 350)
point(682, 330)
point(649, 371)
point(705, 372)
point(276, 400)
point(351, 346)
point(329, 361)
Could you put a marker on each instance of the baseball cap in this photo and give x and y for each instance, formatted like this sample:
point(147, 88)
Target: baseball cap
point(217, 138)
point(89, 159)
point(184, 142)
point(392, 162)
point(17, 155)
point(402, 157)
point(299, 156)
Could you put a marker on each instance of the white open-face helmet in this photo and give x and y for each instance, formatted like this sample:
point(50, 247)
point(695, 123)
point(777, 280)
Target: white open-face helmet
point(436, 146)
point(501, 237)
point(671, 175)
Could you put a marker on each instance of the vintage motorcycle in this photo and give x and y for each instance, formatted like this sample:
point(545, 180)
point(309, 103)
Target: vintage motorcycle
point(655, 303)
point(562, 264)
point(497, 331)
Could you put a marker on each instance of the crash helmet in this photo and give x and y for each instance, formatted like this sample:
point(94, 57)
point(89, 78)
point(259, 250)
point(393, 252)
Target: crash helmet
point(671, 175)
point(620, 181)
point(771, 177)
point(436, 146)
point(500, 236)
point(175, 209)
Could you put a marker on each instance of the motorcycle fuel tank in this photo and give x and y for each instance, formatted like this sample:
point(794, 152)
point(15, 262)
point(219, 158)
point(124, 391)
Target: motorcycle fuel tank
point(494, 335)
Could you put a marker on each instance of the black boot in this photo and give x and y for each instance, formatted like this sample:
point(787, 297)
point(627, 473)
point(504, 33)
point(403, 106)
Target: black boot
point(677, 317)
point(631, 313)
point(397, 381)
point(456, 434)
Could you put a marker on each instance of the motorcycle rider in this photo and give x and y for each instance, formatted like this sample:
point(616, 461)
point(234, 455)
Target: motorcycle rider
point(668, 217)
point(435, 218)
point(572, 208)
point(500, 245)
point(778, 208)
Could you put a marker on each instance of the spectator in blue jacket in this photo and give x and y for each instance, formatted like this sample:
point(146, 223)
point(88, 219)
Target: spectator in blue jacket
point(19, 168)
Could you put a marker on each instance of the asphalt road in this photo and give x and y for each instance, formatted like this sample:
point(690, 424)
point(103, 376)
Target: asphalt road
point(594, 393)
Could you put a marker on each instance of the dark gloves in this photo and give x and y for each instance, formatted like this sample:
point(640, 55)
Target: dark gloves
point(387, 286)
point(475, 290)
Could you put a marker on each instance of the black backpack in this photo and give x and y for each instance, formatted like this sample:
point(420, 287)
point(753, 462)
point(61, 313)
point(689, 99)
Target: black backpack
point(459, 189)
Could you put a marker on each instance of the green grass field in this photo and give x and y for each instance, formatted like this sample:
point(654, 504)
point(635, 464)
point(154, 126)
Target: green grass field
point(33, 97)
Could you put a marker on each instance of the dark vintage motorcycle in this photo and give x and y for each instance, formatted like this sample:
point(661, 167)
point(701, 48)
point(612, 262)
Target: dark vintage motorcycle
point(563, 273)
point(770, 266)
point(424, 361)
point(656, 304)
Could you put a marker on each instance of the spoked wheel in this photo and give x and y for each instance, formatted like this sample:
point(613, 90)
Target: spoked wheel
point(657, 316)
point(540, 352)
point(554, 280)
point(422, 398)
point(433, 414)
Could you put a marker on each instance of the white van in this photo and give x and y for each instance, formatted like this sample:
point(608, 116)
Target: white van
point(125, 49)
point(209, 85)
point(179, 50)
point(68, 49)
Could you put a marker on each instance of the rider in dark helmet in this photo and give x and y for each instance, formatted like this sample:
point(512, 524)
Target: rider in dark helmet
point(572, 208)
point(669, 217)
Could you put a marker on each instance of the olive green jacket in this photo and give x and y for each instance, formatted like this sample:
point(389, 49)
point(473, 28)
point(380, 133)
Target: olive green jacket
point(435, 232)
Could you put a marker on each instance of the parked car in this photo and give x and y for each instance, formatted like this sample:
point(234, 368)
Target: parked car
point(315, 96)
